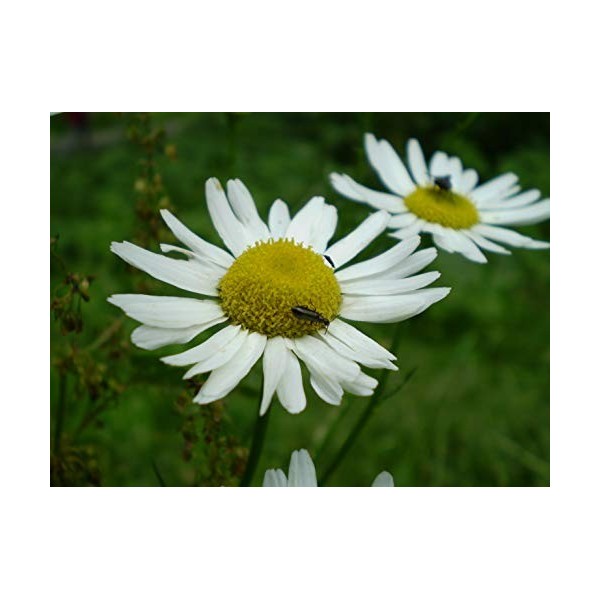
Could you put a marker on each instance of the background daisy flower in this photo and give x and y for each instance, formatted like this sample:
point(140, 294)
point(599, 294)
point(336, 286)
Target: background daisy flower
point(302, 473)
point(443, 199)
point(284, 295)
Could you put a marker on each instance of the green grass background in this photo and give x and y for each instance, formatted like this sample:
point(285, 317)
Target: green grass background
point(475, 413)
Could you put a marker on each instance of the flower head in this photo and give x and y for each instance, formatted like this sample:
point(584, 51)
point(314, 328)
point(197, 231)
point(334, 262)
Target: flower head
point(283, 295)
point(302, 473)
point(443, 199)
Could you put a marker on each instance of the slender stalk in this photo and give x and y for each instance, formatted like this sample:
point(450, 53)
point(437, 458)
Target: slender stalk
point(60, 411)
point(365, 416)
point(258, 438)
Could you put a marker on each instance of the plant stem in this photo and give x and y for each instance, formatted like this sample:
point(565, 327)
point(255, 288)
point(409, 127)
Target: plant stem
point(60, 411)
point(258, 438)
point(365, 416)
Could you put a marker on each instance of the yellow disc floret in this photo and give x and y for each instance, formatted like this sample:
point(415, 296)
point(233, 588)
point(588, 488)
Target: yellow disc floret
point(269, 279)
point(445, 207)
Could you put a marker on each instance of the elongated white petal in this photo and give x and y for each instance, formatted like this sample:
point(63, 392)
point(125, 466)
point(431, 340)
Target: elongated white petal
point(413, 264)
point(384, 479)
point(485, 243)
point(279, 219)
point(517, 201)
point(302, 470)
point(388, 165)
point(274, 364)
point(151, 338)
point(275, 478)
point(290, 389)
point(359, 355)
point(468, 181)
point(390, 309)
point(416, 162)
point(244, 209)
point(196, 243)
point(357, 340)
point(235, 236)
point(438, 165)
point(348, 247)
point(167, 311)
point(327, 388)
point(507, 236)
point(403, 220)
point(386, 287)
point(203, 351)
point(304, 223)
point(408, 231)
point(222, 380)
point(379, 264)
point(455, 170)
point(184, 274)
point(453, 240)
point(315, 352)
point(346, 186)
point(363, 385)
point(526, 215)
point(220, 356)
point(493, 189)
point(325, 229)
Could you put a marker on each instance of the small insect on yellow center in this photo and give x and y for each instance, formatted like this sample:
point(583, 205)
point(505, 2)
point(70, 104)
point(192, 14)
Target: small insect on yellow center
point(280, 287)
point(439, 204)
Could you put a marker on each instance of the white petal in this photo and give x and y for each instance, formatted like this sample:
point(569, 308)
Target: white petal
point(523, 199)
point(302, 226)
point(244, 208)
point(468, 181)
point(413, 264)
point(455, 170)
point(374, 286)
point(356, 241)
point(346, 186)
point(403, 220)
point(213, 344)
point(279, 219)
point(363, 385)
point(167, 311)
point(328, 389)
point(302, 470)
point(381, 263)
point(438, 166)
point(390, 309)
point(416, 162)
point(275, 478)
point(506, 236)
point(274, 364)
point(493, 189)
point(151, 338)
point(409, 231)
point(196, 243)
point(325, 229)
point(184, 274)
point(219, 357)
point(384, 479)
point(527, 215)
point(234, 235)
point(359, 355)
point(222, 380)
point(485, 243)
point(387, 164)
point(315, 353)
point(357, 340)
point(454, 240)
point(290, 390)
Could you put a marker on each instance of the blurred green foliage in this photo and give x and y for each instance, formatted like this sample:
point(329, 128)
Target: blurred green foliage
point(476, 411)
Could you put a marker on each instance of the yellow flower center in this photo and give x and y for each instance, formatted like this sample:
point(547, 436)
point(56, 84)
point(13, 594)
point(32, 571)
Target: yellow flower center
point(271, 278)
point(445, 207)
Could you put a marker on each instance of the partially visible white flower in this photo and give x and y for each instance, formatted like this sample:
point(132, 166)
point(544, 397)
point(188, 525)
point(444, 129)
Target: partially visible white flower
point(443, 199)
point(302, 474)
point(284, 293)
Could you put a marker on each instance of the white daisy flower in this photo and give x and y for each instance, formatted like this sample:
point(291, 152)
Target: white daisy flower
point(302, 474)
point(282, 296)
point(445, 201)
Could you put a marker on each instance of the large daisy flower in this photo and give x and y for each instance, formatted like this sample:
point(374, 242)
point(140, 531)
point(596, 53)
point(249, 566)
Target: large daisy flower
point(445, 201)
point(283, 294)
point(302, 473)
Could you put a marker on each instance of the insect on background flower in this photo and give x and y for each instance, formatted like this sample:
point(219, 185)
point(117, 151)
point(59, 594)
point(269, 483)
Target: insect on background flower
point(445, 201)
point(302, 473)
point(281, 295)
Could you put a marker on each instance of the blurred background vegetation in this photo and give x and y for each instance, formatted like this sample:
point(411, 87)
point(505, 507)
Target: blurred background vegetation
point(476, 411)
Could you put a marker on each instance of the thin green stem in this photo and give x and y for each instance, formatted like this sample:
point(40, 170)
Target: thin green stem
point(258, 438)
point(60, 411)
point(365, 416)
